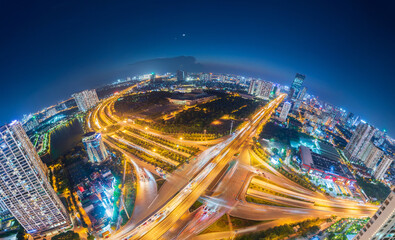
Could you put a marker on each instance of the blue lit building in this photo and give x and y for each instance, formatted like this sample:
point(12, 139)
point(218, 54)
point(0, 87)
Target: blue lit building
point(296, 86)
point(95, 147)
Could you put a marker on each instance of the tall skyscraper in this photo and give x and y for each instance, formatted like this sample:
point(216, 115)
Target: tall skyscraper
point(359, 141)
point(24, 188)
point(372, 155)
point(94, 145)
point(152, 77)
point(382, 167)
point(381, 225)
point(260, 88)
point(285, 111)
point(181, 75)
point(254, 86)
point(301, 93)
point(296, 86)
point(86, 99)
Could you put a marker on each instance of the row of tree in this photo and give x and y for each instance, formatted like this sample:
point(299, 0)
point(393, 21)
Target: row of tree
point(143, 156)
point(187, 149)
point(151, 147)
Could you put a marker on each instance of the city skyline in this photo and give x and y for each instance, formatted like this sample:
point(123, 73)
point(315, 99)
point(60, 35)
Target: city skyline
point(342, 77)
point(197, 120)
point(289, 84)
point(124, 126)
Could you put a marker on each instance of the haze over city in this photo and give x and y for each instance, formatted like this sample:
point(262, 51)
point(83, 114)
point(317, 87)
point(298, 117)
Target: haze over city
point(197, 120)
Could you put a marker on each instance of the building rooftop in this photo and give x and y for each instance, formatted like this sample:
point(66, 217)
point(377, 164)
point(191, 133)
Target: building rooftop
point(89, 134)
point(325, 162)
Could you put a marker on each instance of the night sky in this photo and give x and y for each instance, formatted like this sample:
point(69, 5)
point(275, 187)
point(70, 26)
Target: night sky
point(50, 49)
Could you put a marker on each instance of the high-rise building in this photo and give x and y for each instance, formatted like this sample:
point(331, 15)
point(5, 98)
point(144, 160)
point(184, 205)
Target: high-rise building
point(275, 91)
point(296, 86)
point(61, 106)
point(152, 77)
point(372, 155)
point(266, 90)
point(253, 87)
point(301, 94)
point(359, 141)
point(50, 112)
point(260, 88)
point(95, 147)
point(3, 209)
point(32, 123)
point(383, 167)
point(381, 225)
point(86, 99)
point(205, 77)
point(24, 188)
point(285, 111)
point(181, 75)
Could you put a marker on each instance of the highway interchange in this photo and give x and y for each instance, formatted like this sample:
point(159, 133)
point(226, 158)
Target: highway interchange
point(220, 176)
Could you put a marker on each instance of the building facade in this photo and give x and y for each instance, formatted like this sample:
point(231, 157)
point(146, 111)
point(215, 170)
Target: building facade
point(94, 145)
point(325, 165)
point(50, 112)
point(86, 99)
point(359, 141)
point(31, 124)
point(205, 77)
point(181, 75)
point(260, 88)
point(285, 111)
point(301, 93)
point(372, 155)
point(24, 188)
point(296, 86)
point(381, 225)
point(382, 167)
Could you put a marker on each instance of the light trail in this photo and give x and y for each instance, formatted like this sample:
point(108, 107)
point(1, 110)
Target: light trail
point(177, 205)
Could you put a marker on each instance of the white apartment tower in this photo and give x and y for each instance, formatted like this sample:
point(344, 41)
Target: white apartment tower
point(285, 111)
point(359, 141)
point(381, 225)
point(24, 188)
point(382, 167)
point(86, 99)
point(260, 88)
point(372, 155)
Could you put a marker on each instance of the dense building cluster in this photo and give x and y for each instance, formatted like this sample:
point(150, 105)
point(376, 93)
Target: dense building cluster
point(96, 195)
point(86, 99)
point(368, 152)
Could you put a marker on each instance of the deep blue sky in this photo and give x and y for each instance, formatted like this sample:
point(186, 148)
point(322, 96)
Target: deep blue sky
point(50, 49)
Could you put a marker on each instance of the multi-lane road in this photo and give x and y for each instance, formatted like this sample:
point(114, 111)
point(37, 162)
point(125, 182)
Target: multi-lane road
point(165, 216)
point(156, 212)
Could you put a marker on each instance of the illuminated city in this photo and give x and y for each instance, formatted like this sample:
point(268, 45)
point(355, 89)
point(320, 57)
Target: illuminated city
point(181, 147)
